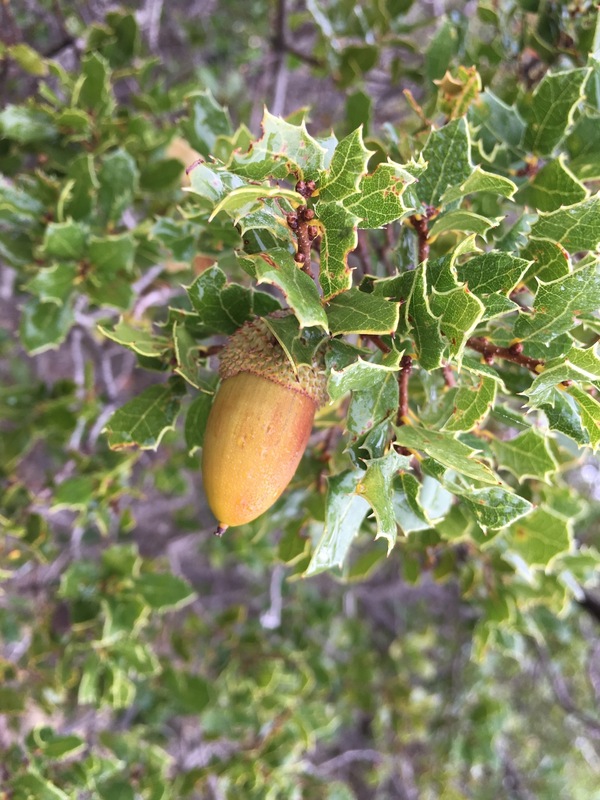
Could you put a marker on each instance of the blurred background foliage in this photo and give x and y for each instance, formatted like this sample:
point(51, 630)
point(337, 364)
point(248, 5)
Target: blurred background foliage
point(139, 656)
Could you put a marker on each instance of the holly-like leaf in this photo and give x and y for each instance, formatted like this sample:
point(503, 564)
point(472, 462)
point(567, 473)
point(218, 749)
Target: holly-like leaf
point(348, 165)
point(480, 181)
point(551, 110)
point(448, 451)
point(540, 537)
point(224, 307)
point(495, 508)
point(338, 239)
point(563, 416)
point(164, 591)
point(528, 455)
point(448, 156)
point(458, 312)
point(500, 129)
point(111, 254)
point(372, 405)
point(376, 487)
point(244, 200)
point(207, 120)
point(492, 272)
point(457, 91)
point(65, 240)
point(589, 412)
point(360, 374)
point(472, 405)
point(355, 311)
point(44, 325)
point(195, 421)
point(138, 339)
point(53, 284)
point(25, 125)
point(576, 227)
point(283, 149)
point(344, 513)
point(583, 147)
point(379, 199)
point(554, 186)
point(300, 344)
point(118, 177)
point(558, 303)
point(424, 325)
point(279, 268)
point(577, 365)
point(462, 220)
point(144, 420)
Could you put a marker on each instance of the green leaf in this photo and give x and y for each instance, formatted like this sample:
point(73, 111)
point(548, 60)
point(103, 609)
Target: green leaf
point(479, 181)
point(26, 126)
point(528, 455)
point(111, 254)
point(339, 238)
point(56, 747)
point(300, 344)
point(164, 591)
point(376, 487)
point(540, 537)
point(355, 311)
point(589, 411)
point(44, 326)
point(563, 416)
point(207, 121)
point(462, 220)
point(344, 514)
point(558, 303)
point(195, 421)
point(554, 186)
point(379, 199)
point(145, 419)
point(53, 284)
point(371, 405)
point(360, 375)
point(583, 147)
point(492, 272)
point(409, 511)
point(65, 240)
point(283, 149)
point(33, 785)
point(576, 227)
point(161, 175)
point(348, 165)
point(246, 199)
point(472, 405)
point(447, 152)
point(424, 325)
point(552, 108)
point(495, 508)
point(118, 177)
point(75, 493)
point(500, 129)
point(278, 268)
point(577, 365)
point(140, 340)
point(93, 89)
point(223, 307)
point(212, 183)
point(458, 312)
point(28, 59)
point(448, 451)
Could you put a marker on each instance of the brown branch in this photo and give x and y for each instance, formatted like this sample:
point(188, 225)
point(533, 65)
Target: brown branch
point(513, 353)
point(403, 377)
point(448, 374)
point(421, 225)
point(378, 342)
point(301, 223)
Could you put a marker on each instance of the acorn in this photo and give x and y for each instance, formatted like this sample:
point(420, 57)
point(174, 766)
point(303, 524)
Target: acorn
point(258, 426)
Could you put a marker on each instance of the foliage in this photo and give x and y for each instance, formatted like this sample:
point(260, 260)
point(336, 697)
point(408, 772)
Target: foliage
point(456, 307)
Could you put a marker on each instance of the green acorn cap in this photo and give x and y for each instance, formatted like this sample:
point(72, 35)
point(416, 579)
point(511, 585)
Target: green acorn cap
point(254, 349)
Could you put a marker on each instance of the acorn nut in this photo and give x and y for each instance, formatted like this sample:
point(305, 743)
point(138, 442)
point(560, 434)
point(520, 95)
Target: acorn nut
point(258, 426)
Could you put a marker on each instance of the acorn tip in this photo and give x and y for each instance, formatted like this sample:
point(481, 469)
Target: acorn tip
point(221, 529)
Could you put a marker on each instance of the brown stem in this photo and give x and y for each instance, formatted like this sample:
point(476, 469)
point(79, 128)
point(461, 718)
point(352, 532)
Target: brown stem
point(449, 378)
point(378, 342)
point(421, 225)
point(302, 224)
point(513, 353)
point(405, 370)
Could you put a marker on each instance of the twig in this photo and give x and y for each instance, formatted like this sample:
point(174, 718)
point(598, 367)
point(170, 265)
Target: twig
point(421, 225)
point(378, 342)
point(403, 377)
point(301, 223)
point(513, 353)
point(448, 374)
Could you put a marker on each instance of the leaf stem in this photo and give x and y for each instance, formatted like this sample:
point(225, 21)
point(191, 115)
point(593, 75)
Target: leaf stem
point(403, 377)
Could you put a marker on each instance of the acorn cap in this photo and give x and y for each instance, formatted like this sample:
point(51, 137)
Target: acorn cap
point(254, 349)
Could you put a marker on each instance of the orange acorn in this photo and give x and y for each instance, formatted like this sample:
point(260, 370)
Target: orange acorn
point(258, 426)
